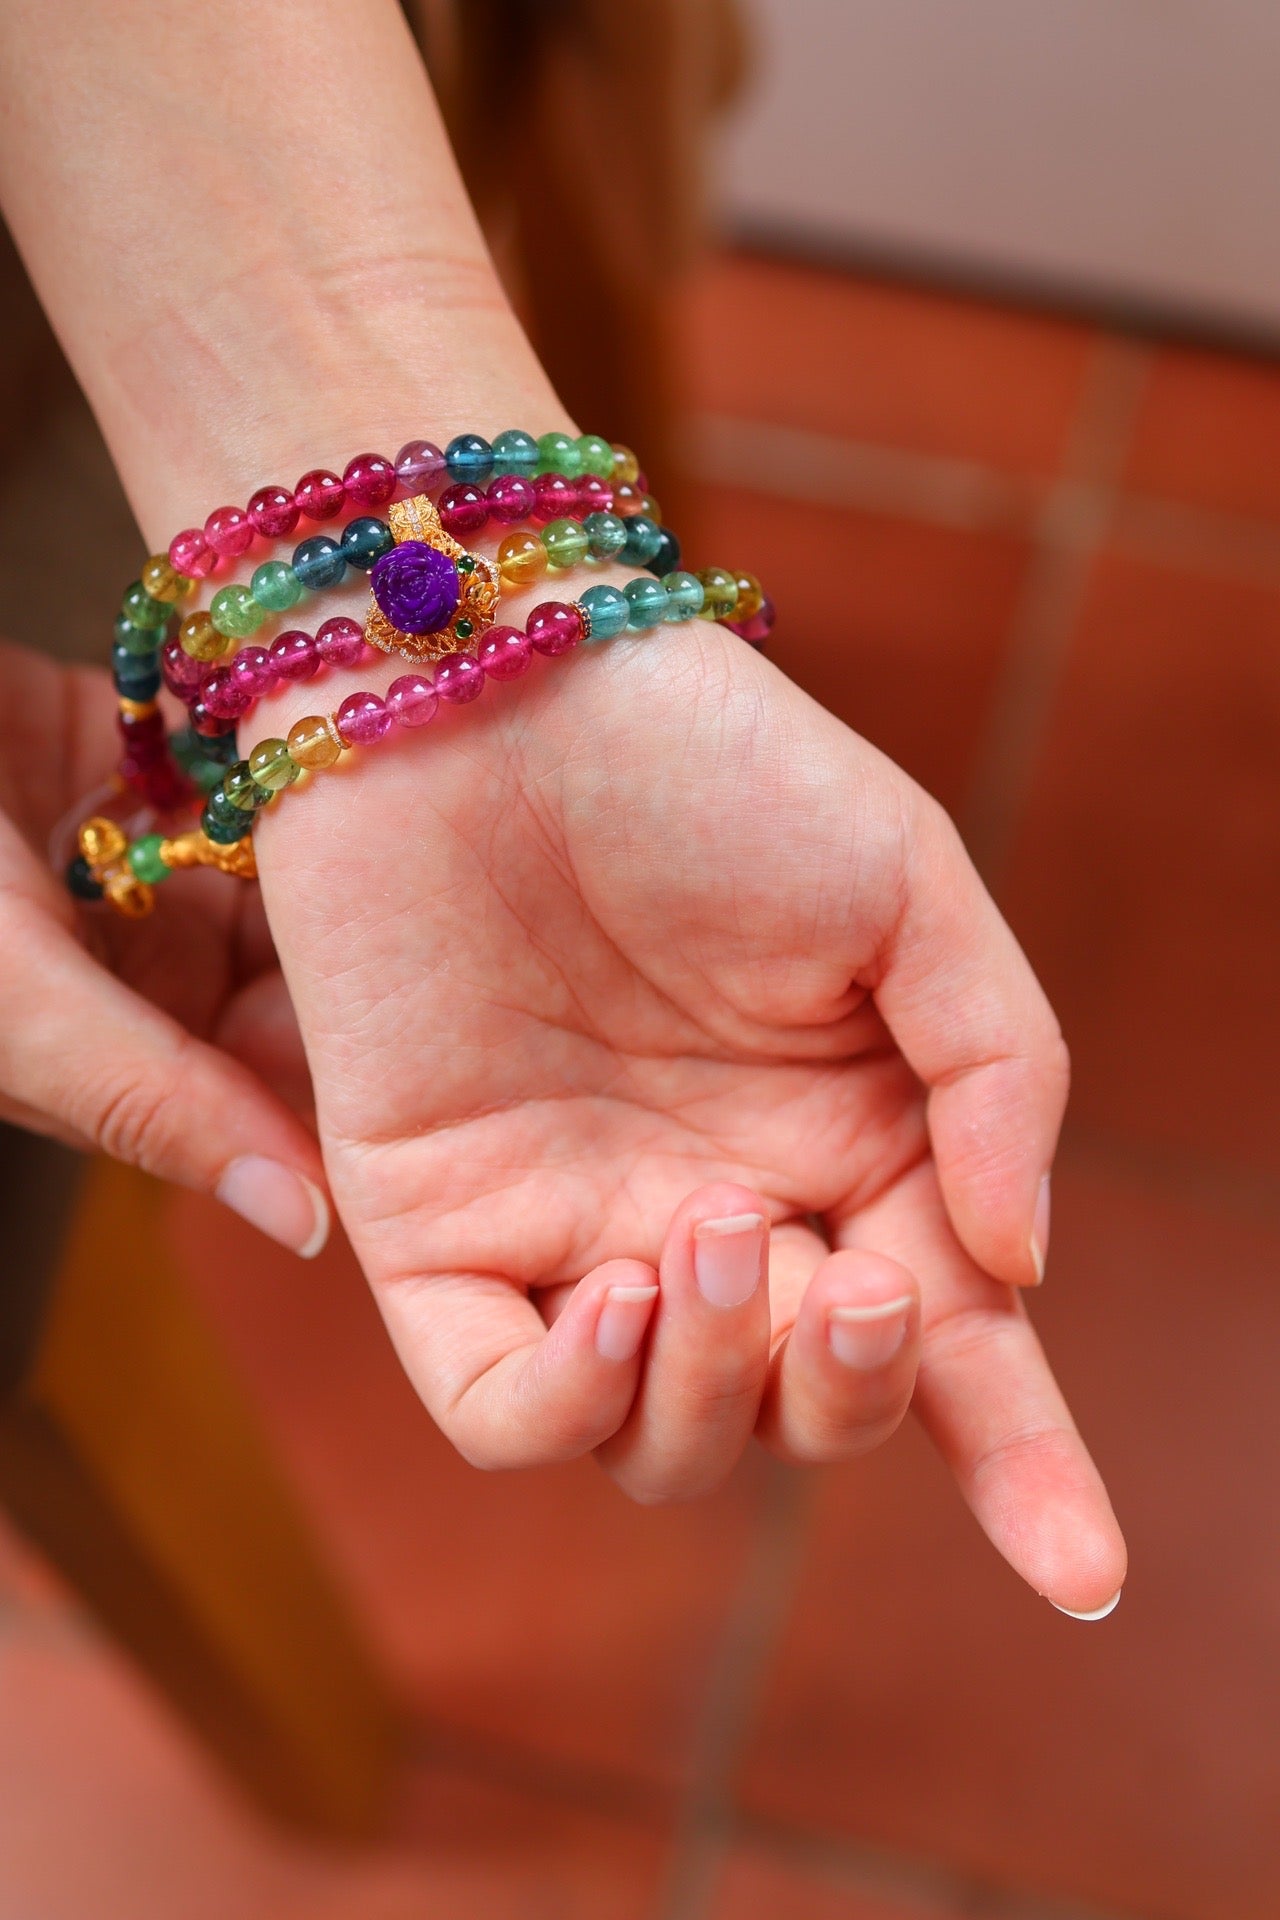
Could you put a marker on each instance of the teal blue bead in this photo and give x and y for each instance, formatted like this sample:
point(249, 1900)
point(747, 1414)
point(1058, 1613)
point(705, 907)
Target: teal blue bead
point(133, 639)
point(559, 453)
point(276, 586)
point(469, 457)
point(684, 596)
point(141, 610)
point(607, 534)
point(608, 610)
point(515, 452)
point(646, 604)
point(644, 538)
point(318, 563)
point(364, 541)
point(597, 455)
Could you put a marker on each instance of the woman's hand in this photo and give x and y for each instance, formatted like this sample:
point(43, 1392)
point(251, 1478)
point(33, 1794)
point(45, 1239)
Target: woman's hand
point(633, 985)
point(153, 1046)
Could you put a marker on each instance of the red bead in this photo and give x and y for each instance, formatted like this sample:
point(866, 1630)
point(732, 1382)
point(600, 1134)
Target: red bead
point(229, 532)
point(459, 678)
point(369, 479)
point(210, 725)
point(464, 508)
point(319, 494)
point(411, 700)
point(190, 553)
point(340, 642)
point(224, 695)
point(294, 655)
point(274, 512)
point(140, 731)
point(554, 627)
point(361, 719)
point(506, 653)
point(511, 498)
point(252, 669)
point(594, 495)
point(557, 498)
point(181, 674)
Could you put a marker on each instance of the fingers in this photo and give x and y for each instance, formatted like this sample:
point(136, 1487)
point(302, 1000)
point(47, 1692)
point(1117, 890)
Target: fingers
point(842, 1379)
point(970, 1017)
point(994, 1410)
point(84, 1058)
point(505, 1388)
point(708, 1351)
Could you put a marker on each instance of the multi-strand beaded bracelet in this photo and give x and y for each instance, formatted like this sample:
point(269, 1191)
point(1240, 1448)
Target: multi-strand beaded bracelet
point(431, 600)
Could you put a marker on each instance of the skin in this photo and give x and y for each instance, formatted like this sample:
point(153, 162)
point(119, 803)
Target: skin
point(646, 943)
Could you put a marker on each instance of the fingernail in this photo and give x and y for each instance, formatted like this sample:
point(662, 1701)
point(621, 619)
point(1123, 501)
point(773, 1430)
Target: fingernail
point(1099, 1613)
point(728, 1257)
point(278, 1201)
point(623, 1319)
point(1040, 1231)
point(868, 1337)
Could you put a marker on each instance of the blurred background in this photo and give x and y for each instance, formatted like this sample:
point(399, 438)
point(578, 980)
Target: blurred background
point(974, 308)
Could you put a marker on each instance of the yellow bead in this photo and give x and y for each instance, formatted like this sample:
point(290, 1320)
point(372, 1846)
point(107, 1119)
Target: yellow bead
point(311, 742)
point(626, 468)
point(163, 581)
point(650, 506)
point(200, 638)
point(720, 593)
point(750, 596)
point(522, 559)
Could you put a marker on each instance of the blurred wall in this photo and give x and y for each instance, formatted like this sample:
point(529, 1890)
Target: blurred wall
point(1126, 151)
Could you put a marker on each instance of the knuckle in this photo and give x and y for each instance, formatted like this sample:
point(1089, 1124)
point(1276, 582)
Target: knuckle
point(135, 1120)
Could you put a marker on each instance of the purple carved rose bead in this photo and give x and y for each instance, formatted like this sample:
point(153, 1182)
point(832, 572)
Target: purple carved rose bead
point(416, 587)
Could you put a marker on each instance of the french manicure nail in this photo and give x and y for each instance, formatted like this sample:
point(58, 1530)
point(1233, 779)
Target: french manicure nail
point(1040, 1231)
point(623, 1319)
point(868, 1337)
point(1099, 1613)
point(278, 1201)
point(728, 1258)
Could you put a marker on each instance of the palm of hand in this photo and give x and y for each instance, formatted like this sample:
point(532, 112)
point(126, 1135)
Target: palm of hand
point(577, 967)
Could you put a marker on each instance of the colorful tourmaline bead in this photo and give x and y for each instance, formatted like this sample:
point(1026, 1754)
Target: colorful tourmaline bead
point(318, 562)
point(554, 627)
point(419, 466)
point(515, 452)
point(684, 596)
point(275, 586)
point(294, 655)
point(469, 457)
point(319, 494)
point(566, 542)
point(340, 642)
point(522, 560)
point(606, 535)
point(274, 513)
point(199, 638)
point(229, 531)
point(312, 743)
point(369, 480)
point(720, 590)
point(361, 719)
point(506, 653)
point(459, 678)
point(560, 453)
point(412, 700)
point(646, 604)
point(271, 765)
point(607, 609)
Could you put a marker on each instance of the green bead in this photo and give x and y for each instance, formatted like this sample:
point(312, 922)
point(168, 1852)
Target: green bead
point(515, 452)
point(720, 592)
point(607, 534)
point(559, 453)
point(276, 586)
point(140, 610)
point(685, 595)
point(646, 604)
point(144, 857)
point(133, 639)
point(463, 628)
point(597, 455)
point(607, 609)
point(644, 539)
point(270, 765)
point(235, 613)
point(566, 543)
point(242, 789)
point(222, 820)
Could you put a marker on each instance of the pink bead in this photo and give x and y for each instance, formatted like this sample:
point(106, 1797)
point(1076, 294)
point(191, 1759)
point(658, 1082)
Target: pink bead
point(181, 674)
point(340, 642)
point(554, 627)
point(511, 498)
point(594, 495)
point(459, 678)
point(191, 554)
point(411, 700)
point(361, 719)
point(210, 725)
point(224, 695)
point(229, 532)
point(294, 655)
point(319, 494)
point(252, 670)
point(506, 653)
point(369, 480)
point(557, 498)
point(463, 509)
point(420, 466)
point(273, 512)
point(757, 628)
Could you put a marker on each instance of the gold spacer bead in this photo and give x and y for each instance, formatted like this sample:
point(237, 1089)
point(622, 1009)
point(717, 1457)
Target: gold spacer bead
point(128, 895)
point(101, 842)
point(137, 709)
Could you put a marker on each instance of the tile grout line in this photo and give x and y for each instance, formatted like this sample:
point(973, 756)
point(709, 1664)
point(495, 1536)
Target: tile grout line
point(1073, 523)
point(705, 1818)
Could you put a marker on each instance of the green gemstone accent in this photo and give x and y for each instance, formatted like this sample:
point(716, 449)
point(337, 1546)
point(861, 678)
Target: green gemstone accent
point(463, 629)
point(144, 857)
point(465, 564)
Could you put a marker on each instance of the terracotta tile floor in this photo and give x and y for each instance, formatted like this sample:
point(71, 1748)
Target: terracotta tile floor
point(1058, 603)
